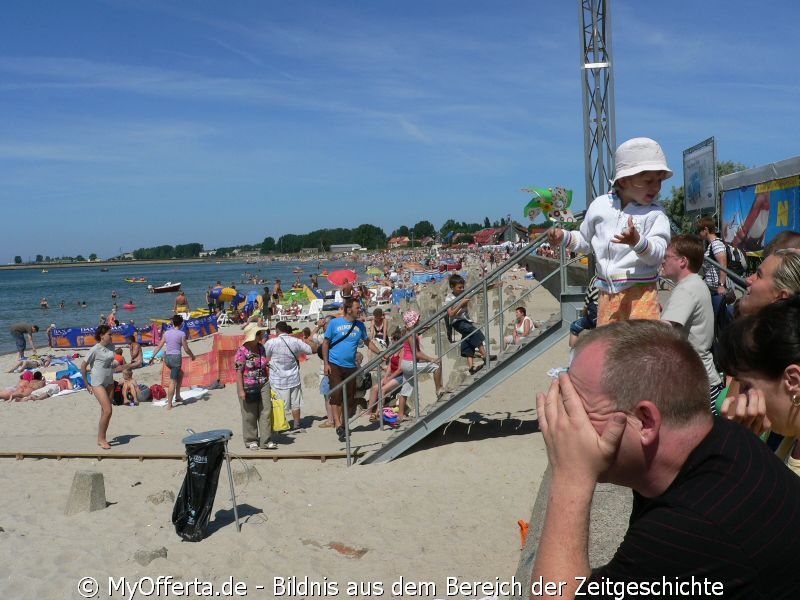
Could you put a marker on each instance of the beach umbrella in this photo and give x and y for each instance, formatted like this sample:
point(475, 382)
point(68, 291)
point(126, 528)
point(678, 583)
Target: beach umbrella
point(227, 294)
point(374, 271)
point(338, 277)
point(553, 202)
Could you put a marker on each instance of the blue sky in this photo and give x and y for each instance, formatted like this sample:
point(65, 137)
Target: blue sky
point(129, 124)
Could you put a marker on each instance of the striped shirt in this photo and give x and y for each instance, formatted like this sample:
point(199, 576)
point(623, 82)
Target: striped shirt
point(284, 367)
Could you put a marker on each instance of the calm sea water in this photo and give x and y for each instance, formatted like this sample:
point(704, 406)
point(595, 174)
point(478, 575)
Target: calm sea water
point(22, 290)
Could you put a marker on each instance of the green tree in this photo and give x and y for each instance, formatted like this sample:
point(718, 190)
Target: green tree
point(192, 250)
point(39, 258)
point(93, 257)
point(423, 229)
point(486, 223)
point(18, 260)
point(369, 236)
point(80, 258)
point(268, 245)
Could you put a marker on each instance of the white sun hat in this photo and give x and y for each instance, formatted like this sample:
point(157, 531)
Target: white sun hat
point(638, 155)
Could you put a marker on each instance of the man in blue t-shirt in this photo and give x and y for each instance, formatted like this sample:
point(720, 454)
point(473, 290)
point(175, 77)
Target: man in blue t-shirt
point(339, 347)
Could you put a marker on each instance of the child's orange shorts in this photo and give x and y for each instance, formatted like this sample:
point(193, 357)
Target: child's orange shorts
point(635, 302)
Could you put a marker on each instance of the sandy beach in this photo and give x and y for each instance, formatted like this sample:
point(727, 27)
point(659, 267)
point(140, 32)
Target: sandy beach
point(447, 509)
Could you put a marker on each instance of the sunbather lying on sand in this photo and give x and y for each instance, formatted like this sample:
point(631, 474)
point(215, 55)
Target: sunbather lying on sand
point(34, 362)
point(23, 388)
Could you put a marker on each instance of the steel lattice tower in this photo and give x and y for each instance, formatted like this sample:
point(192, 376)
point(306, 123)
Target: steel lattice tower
point(599, 134)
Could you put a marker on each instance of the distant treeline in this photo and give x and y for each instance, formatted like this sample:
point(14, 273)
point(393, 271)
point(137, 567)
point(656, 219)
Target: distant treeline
point(366, 235)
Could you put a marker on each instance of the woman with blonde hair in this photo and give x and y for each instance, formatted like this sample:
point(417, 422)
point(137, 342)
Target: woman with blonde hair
point(778, 277)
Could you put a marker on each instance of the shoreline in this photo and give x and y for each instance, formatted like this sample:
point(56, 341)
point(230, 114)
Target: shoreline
point(329, 522)
point(108, 264)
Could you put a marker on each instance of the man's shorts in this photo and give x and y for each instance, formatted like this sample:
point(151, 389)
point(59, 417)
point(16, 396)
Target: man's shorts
point(173, 362)
point(292, 397)
point(19, 340)
point(339, 374)
point(635, 302)
point(468, 344)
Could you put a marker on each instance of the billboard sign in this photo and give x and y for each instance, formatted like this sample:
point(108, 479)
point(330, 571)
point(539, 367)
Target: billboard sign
point(700, 178)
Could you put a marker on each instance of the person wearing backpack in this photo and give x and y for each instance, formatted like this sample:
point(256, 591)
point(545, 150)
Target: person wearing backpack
point(737, 261)
point(716, 279)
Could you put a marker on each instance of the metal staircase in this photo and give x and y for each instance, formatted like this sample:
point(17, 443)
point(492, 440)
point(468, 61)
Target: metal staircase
point(454, 402)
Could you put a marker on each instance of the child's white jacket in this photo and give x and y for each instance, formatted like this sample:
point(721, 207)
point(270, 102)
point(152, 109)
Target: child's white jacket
point(619, 266)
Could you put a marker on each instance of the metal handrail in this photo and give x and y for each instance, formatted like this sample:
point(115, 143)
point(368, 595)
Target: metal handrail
point(436, 319)
point(739, 283)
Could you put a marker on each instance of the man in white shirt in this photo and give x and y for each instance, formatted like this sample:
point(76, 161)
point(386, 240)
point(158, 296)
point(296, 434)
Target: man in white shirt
point(689, 306)
point(284, 368)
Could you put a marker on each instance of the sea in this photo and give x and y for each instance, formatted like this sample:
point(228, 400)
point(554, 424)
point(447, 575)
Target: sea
point(21, 291)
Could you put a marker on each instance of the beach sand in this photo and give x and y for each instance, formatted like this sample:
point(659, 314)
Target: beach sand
point(448, 508)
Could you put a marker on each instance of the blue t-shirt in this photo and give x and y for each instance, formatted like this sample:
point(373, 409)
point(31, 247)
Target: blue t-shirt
point(344, 352)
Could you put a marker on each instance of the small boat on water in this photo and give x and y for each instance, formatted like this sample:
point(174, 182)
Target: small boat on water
point(104, 269)
point(136, 279)
point(45, 271)
point(297, 270)
point(167, 287)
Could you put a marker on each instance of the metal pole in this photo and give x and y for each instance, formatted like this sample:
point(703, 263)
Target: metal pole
point(233, 492)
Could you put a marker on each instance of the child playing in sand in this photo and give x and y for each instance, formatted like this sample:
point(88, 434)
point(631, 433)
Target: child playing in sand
point(458, 311)
point(130, 389)
point(119, 359)
point(628, 233)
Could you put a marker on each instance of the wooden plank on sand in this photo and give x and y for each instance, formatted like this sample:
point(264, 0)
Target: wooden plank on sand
point(275, 456)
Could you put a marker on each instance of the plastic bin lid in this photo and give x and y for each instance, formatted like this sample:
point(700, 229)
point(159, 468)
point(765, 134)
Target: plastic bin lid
point(214, 435)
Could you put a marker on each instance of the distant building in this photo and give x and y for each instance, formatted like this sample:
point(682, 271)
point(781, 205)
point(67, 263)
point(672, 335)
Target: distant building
point(400, 241)
point(346, 248)
point(487, 236)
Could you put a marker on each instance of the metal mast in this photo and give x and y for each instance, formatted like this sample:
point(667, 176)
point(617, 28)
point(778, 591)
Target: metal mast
point(599, 133)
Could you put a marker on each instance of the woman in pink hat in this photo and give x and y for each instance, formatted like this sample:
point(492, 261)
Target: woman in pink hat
point(425, 364)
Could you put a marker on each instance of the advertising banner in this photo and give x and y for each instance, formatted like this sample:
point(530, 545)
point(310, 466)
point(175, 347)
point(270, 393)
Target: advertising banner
point(83, 337)
point(752, 215)
point(700, 178)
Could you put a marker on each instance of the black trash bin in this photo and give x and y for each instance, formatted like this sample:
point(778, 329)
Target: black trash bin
point(205, 452)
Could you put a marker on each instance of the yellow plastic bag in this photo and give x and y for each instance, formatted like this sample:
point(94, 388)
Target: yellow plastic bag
point(279, 422)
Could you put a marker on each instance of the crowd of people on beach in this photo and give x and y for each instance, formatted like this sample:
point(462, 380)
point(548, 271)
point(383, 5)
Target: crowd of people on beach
point(700, 421)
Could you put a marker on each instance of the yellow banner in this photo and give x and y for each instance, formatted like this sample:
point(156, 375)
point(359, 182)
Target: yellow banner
point(779, 184)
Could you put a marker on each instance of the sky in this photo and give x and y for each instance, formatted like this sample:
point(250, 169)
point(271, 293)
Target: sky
point(127, 124)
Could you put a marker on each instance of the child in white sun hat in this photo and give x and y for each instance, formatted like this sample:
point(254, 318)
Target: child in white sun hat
point(628, 231)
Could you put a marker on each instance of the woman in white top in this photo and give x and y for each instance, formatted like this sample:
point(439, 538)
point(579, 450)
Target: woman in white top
point(101, 361)
point(522, 327)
